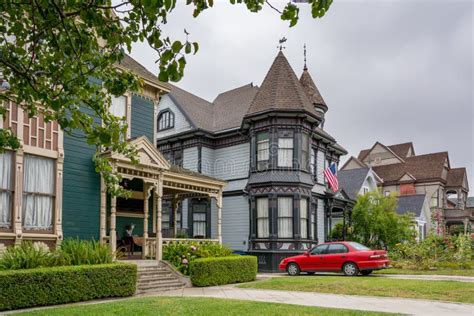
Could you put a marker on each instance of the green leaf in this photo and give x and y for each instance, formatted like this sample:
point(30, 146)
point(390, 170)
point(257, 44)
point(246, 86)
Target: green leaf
point(196, 47)
point(187, 48)
point(176, 47)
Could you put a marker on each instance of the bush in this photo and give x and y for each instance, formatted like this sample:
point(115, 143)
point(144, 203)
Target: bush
point(70, 252)
point(454, 252)
point(59, 285)
point(224, 270)
point(182, 254)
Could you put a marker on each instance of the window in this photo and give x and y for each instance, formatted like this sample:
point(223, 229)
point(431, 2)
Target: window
point(358, 246)
point(304, 217)
point(263, 152)
point(365, 190)
point(336, 248)
point(262, 218)
point(285, 152)
point(313, 224)
point(38, 192)
point(387, 193)
point(319, 250)
point(118, 106)
point(166, 214)
point(435, 199)
point(165, 120)
point(312, 166)
point(285, 217)
point(305, 151)
point(6, 189)
point(199, 219)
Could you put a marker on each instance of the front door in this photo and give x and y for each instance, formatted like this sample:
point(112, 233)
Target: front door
point(316, 258)
point(336, 256)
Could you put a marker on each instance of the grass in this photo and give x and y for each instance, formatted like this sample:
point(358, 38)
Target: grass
point(461, 272)
point(191, 306)
point(372, 286)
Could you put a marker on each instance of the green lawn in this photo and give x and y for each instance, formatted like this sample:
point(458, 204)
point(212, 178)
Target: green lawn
point(461, 272)
point(372, 286)
point(191, 306)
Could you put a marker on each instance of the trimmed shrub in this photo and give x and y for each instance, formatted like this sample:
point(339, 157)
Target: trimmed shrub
point(182, 254)
point(59, 285)
point(223, 270)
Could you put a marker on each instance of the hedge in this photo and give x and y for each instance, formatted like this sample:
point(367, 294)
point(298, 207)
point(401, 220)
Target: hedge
point(66, 284)
point(223, 270)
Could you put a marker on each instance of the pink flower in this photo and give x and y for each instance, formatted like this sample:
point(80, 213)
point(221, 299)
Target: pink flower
point(193, 248)
point(185, 261)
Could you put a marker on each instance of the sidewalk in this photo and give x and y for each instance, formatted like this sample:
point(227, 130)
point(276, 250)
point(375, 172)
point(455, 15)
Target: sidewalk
point(366, 303)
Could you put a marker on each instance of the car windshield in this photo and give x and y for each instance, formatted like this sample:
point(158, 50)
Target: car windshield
point(358, 246)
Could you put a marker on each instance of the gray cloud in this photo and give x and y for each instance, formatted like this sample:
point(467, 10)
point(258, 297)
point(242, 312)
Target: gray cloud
point(392, 71)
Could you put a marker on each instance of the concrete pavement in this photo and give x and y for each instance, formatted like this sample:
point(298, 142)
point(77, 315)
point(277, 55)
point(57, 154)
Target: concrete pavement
point(365, 303)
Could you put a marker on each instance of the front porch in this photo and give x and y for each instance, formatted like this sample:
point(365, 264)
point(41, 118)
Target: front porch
point(155, 208)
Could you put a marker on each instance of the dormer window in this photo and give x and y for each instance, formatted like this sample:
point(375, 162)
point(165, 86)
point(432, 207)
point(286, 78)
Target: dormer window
point(165, 120)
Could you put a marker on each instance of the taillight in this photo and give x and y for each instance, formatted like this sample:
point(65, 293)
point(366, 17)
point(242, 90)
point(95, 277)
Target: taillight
point(375, 256)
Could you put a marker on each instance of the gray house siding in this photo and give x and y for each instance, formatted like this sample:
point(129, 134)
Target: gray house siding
point(142, 121)
point(235, 222)
point(207, 161)
point(232, 162)
point(190, 158)
point(181, 124)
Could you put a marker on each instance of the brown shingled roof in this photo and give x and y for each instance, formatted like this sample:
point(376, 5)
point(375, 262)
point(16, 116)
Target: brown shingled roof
point(231, 106)
point(312, 91)
point(456, 177)
point(422, 167)
point(134, 66)
point(401, 150)
point(280, 90)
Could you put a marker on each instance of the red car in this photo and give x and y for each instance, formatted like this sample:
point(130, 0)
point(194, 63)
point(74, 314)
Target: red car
point(347, 256)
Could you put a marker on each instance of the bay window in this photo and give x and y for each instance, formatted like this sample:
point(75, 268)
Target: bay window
point(312, 166)
point(304, 217)
point(285, 217)
point(263, 223)
point(305, 151)
point(285, 151)
point(263, 150)
point(38, 192)
point(6, 189)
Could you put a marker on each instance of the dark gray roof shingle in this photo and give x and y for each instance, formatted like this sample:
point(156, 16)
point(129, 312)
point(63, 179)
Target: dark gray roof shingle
point(411, 203)
point(351, 181)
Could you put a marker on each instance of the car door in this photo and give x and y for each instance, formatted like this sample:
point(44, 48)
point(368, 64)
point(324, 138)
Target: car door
point(316, 260)
point(336, 256)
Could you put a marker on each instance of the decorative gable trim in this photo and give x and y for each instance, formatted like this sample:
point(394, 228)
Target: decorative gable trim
point(407, 177)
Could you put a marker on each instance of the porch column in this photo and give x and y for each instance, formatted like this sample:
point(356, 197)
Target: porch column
point(159, 237)
point(113, 231)
point(103, 208)
point(146, 209)
point(219, 216)
point(175, 205)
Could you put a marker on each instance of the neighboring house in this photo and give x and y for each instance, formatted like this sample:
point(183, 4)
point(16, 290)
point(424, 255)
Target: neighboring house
point(49, 188)
point(269, 144)
point(418, 206)
point(358, 181)
point(403, 172)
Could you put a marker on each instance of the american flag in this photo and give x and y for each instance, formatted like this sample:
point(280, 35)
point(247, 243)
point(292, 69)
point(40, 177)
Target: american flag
point(331, 175)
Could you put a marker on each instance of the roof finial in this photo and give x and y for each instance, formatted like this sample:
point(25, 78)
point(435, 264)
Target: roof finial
point(304, 53)
point(280, 42)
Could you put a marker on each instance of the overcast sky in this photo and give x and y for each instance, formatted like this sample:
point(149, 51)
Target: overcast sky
point(389, 71)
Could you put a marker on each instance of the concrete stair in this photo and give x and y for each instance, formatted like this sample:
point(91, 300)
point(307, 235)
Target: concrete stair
point(154, 278)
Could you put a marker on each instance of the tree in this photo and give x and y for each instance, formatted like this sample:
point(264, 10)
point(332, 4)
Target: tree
point(375, 222)
point(58, 57)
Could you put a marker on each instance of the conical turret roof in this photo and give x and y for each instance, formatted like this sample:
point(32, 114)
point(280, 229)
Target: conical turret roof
point(281, 90)
point(312, 91)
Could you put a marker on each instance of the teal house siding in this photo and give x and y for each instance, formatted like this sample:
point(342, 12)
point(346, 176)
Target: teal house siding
point(81, 190)
point(142, 122)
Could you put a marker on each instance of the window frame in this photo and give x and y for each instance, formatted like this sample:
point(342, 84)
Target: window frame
point(285, 134)
point(305, 152)
point(292, 217)
point(306, 220)
point(169, 120)
point(10, 191)
point(262, 164)
point(262, 218)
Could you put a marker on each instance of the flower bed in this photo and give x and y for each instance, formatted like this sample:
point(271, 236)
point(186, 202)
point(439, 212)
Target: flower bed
point(59, 285)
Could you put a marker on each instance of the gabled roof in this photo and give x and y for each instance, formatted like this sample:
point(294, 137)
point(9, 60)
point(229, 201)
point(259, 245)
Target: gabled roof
point(312, 91)
point(457, 177)
point(356, 160)
point(422, 167)
point(411, 204)
point(281, 90)
point(402, 149)
point(231, 106)
point(131, 64)
point(363, 153)
point(198, 111)
point(351, 181)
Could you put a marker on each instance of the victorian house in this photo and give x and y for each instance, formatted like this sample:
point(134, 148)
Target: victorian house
point(270, 145)
point(426, 185)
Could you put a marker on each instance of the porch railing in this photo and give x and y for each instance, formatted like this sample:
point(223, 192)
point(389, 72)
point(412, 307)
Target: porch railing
point(151, 243)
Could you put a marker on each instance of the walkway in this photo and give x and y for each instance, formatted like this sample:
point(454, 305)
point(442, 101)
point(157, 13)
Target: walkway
point(366, 303)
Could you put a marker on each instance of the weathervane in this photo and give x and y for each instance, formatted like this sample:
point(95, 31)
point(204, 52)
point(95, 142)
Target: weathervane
point(305, 68)
point(280, 42)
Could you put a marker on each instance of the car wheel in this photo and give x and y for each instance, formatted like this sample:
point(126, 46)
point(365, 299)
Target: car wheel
point(366, 272)
point(293, 269)
point(350, 269)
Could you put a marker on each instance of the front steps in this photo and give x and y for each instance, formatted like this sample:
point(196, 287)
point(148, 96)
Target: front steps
point(154, 278)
